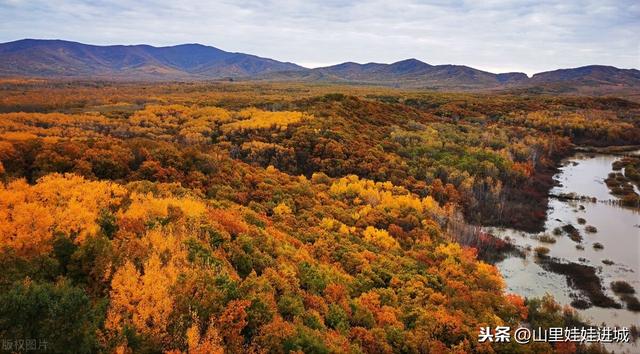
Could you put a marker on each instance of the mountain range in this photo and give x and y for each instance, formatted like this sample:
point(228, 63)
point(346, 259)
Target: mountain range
point(65, 59)
point(56, 58)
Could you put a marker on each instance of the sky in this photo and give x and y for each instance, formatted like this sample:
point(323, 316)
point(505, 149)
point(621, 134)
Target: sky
point(493, 35)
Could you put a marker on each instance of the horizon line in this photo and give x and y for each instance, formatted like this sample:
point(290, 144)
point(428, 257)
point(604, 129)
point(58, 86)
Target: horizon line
point(316, 65)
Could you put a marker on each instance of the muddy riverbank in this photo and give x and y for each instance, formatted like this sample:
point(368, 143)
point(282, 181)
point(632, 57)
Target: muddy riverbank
point(590, 240)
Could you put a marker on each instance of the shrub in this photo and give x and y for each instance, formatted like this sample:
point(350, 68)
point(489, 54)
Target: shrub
point(591, 229)
point(541, 251)
point(632, 302)
point(622, 287)
point(547, 239)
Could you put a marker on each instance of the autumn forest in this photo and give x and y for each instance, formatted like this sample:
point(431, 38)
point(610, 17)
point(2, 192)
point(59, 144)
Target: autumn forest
point(212, 217)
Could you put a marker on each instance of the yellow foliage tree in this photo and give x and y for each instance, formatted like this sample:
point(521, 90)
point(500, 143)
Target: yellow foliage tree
point(380, 238)
point(146, 206)
point(68, 204)
point(253, 118)
point(144, 300)
point(210, 343)
point(282, 209)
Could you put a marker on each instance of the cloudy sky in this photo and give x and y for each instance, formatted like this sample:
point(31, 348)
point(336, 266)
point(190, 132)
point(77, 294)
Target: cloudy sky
point(494, 35)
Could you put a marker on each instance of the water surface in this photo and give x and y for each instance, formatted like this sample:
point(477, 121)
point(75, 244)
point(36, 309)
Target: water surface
point(618, 231)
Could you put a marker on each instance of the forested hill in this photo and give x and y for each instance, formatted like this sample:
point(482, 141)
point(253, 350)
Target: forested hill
point(193, 62)
point(235, 217)
point(56, 58)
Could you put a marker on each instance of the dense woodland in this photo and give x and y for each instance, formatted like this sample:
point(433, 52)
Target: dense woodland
point(241, 217)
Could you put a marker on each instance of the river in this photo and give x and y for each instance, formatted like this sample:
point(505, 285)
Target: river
point(618, 230)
